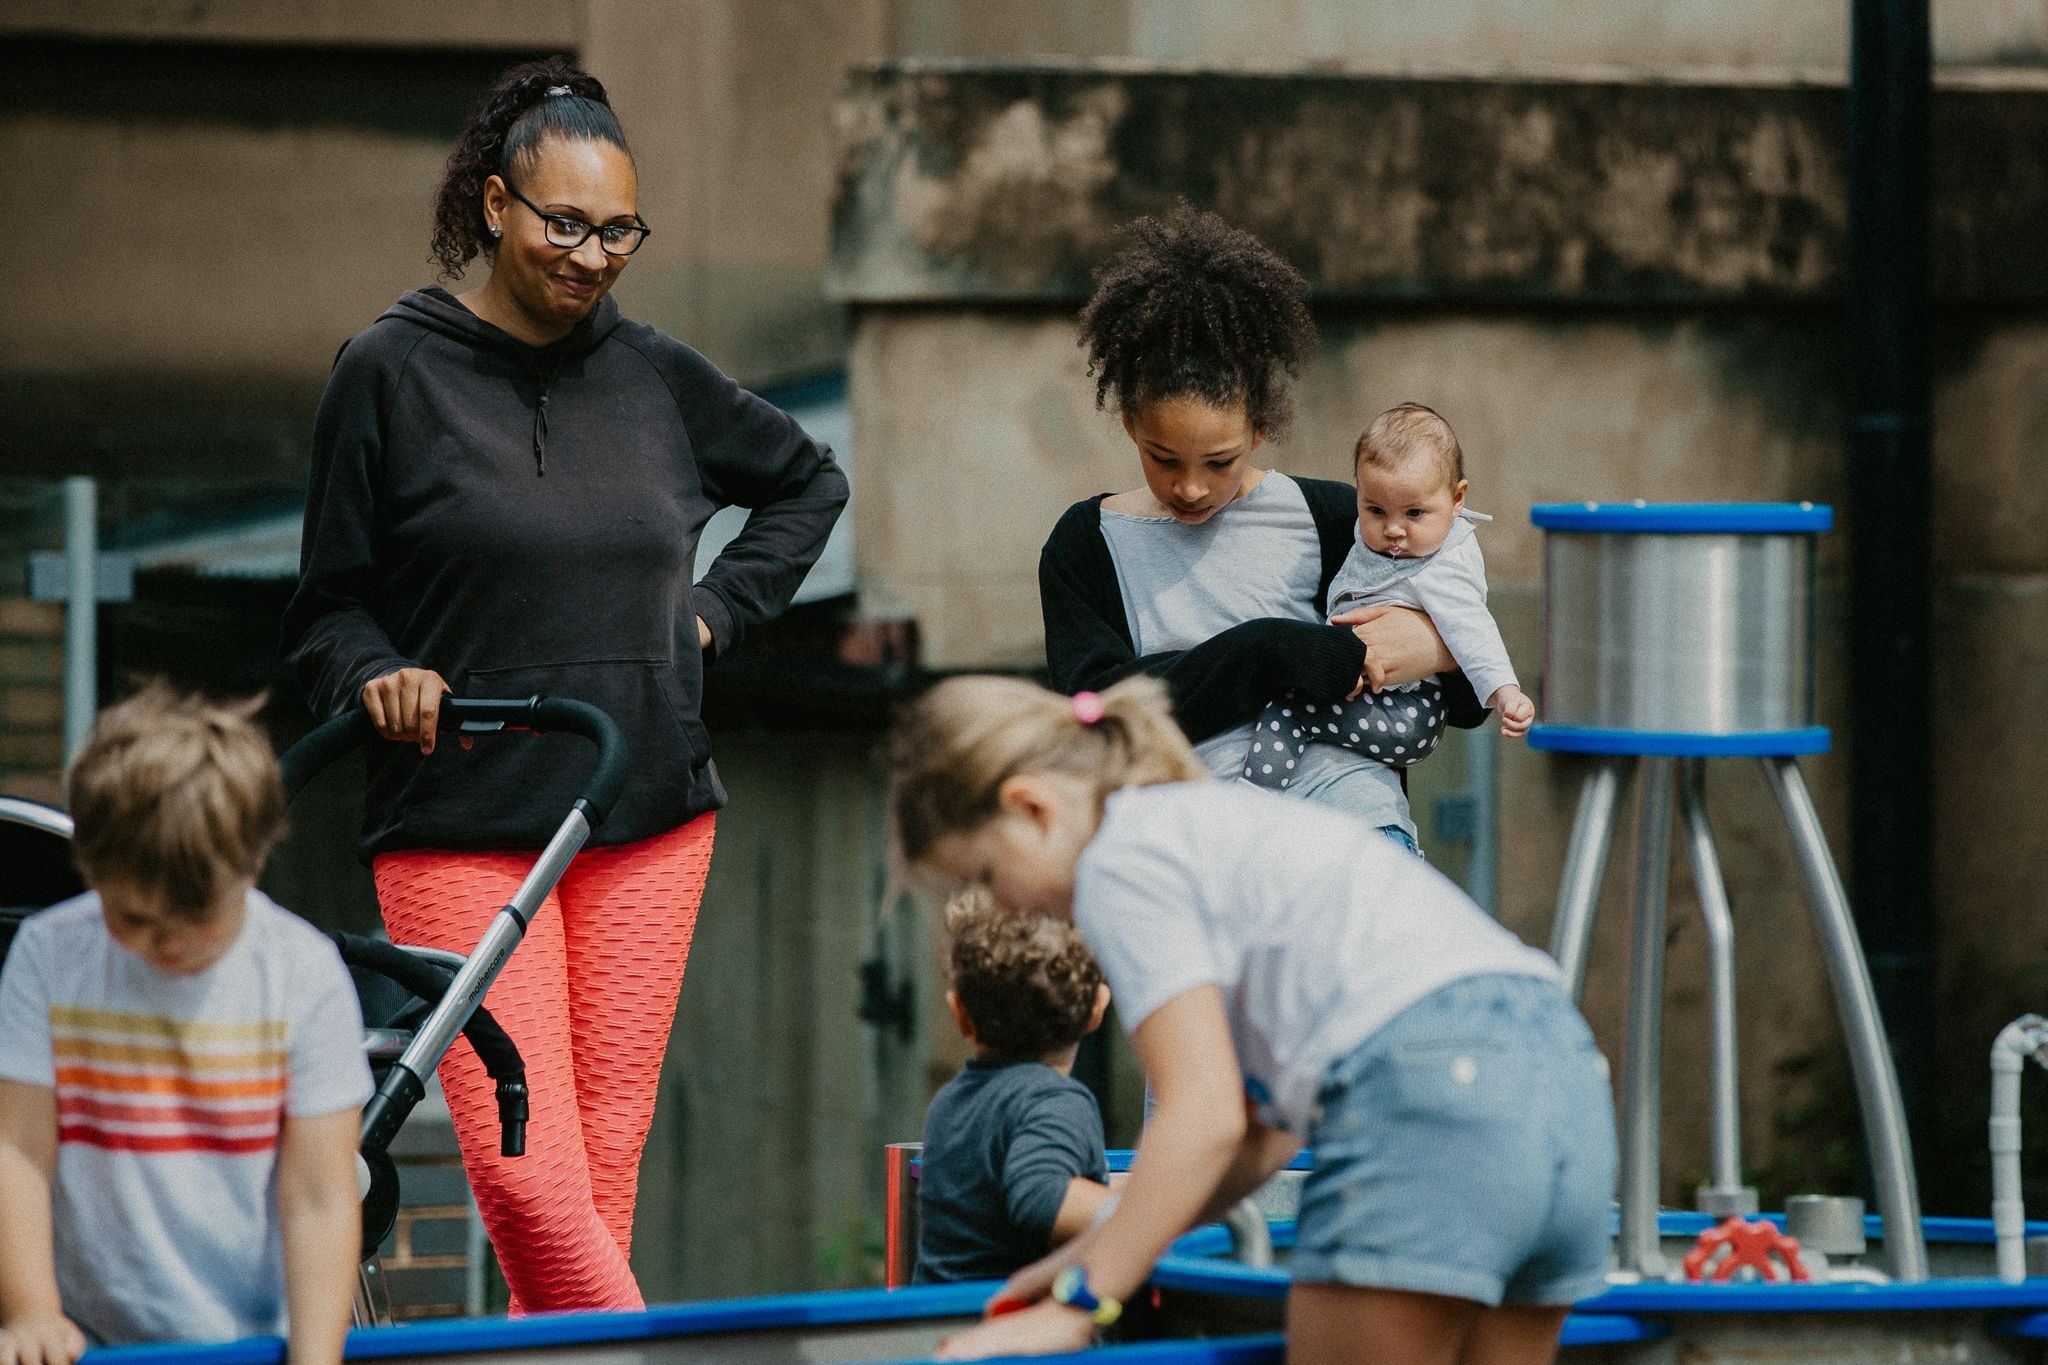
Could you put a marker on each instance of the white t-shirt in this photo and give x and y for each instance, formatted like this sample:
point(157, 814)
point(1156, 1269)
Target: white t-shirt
point(1317, 928)
point(171, 1097)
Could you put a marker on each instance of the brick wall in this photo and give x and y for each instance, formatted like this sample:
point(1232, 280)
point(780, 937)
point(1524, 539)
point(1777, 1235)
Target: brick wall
point(31, 699)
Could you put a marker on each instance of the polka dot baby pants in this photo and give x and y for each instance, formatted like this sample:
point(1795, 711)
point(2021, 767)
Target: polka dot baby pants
point(1394, 728)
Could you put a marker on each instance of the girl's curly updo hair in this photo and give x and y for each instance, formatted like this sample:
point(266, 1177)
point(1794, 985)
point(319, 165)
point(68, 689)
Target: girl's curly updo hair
point(1193, 307)
point(503, 137)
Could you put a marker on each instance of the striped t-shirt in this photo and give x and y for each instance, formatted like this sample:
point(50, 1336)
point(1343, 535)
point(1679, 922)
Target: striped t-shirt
point(171, 1096)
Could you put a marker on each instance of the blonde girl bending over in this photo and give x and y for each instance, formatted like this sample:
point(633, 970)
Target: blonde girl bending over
point(1283, 979)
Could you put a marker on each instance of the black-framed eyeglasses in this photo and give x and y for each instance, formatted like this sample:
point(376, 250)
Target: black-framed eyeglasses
point(616, 239)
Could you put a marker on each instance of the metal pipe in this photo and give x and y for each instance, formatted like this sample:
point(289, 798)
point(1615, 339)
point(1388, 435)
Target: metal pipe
point(81, 612)
point(1640, 1249)
point(1889, 436)
point(1877, 1084)
point(1482, 788)
point(2024, 1037)
point(1725, 1130)
point(899, 1213)
point(1251, 1241)
point(1585, 867)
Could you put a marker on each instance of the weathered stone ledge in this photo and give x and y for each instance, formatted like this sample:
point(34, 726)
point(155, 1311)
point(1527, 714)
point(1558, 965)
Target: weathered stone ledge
point(993, 183)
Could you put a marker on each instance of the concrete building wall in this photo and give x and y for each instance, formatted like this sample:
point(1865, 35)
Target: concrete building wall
point(1614, 290)
point(1488, 35)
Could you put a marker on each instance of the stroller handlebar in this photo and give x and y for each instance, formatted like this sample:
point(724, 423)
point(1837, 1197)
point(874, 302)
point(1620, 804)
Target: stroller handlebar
point(479, 715)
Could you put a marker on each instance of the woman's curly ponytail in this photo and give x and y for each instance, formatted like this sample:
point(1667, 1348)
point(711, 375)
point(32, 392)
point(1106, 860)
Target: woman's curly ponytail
point(504, 134)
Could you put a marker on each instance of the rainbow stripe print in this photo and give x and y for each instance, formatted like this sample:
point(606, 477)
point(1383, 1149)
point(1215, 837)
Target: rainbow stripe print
point(144, 1083)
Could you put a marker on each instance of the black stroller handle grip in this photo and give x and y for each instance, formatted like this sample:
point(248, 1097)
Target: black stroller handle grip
point(601, 790)
point(321, 746)
point(352, 729)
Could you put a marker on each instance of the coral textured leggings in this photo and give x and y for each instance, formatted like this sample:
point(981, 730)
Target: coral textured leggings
point(589, 998)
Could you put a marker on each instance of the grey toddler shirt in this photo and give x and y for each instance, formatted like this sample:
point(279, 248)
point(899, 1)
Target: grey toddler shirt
point(1001, 1141)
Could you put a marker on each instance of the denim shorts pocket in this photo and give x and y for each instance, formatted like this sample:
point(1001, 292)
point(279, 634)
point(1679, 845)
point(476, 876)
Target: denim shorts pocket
point(1451, 1077)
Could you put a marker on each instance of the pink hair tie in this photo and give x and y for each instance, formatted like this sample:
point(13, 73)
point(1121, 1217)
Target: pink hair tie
point(1087, 707)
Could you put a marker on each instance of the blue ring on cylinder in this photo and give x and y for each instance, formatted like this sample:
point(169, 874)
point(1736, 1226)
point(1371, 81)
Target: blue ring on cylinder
point(1580, 739)
point(1685, 518)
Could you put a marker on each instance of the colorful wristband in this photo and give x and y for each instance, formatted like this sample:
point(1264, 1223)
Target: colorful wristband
point(1071, 1289)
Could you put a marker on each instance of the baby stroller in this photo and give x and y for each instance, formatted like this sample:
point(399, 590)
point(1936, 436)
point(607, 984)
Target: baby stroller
point(414, 1000)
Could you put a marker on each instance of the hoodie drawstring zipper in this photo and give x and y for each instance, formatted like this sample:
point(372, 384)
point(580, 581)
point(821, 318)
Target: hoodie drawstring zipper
point(540, 430)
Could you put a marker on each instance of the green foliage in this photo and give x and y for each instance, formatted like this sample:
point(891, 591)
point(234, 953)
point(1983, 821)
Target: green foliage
point(851, 1253)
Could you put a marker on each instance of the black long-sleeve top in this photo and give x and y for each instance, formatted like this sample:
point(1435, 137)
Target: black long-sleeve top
point(525, 520)
point(1225, 680)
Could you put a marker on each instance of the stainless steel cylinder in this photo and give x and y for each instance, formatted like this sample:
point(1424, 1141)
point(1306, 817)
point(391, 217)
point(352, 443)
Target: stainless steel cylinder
point(1678, 633)
point(1828, 1223)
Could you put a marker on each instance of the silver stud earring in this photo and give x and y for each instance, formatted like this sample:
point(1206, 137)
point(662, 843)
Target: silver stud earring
point(497, 232)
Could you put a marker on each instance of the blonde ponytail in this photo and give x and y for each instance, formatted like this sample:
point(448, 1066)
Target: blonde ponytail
point(956, 746)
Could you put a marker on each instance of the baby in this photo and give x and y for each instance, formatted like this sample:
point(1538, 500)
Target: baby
point(1413, 547)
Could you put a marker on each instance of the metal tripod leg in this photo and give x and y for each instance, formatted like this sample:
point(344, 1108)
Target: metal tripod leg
point(1877, 1083)
point(1640, 1249)
point(1724, 1193)
point(1585, 865)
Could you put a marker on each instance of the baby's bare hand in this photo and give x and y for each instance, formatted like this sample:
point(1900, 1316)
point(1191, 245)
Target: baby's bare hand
point(1517, 712)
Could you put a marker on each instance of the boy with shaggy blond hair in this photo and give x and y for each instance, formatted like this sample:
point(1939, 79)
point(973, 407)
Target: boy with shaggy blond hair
point(1013, 1163)
point(181, 1068)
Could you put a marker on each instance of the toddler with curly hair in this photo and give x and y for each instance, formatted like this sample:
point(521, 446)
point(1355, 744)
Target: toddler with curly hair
point(1013, 1162)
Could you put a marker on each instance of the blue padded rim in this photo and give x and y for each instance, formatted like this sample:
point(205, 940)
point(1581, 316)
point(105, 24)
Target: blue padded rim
point(764, 1313)
point(1685, 518)
point(1580, 739)
point(1265, 1349)
point(1194, 1265)
point(1120, 1160)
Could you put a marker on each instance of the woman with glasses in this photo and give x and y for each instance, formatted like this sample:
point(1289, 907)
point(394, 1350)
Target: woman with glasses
point(507, 490)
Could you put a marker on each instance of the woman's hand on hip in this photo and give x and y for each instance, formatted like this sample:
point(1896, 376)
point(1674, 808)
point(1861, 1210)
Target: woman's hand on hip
point(406, 705)
point(703, 633)
point(1401, 646)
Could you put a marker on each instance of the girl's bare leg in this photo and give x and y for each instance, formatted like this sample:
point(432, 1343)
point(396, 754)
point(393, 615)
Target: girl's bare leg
point(1332, 1324)
point(1524, 1334)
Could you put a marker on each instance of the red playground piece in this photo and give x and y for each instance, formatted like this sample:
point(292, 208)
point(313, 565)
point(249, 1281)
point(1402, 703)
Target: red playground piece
point(1734, 1244)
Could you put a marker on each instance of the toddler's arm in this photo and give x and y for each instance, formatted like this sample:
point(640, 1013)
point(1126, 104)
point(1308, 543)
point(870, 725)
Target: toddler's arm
point(316, 1203)
point(1084, 1200)
point(33, 1328)
point(1045, 1183)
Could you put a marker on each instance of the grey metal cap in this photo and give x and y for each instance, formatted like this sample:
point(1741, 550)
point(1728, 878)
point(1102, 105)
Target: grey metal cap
point(1725, 1201)
point(1828, 1223)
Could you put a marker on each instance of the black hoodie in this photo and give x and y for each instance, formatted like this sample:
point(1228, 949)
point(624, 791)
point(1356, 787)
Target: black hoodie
point(524, 520)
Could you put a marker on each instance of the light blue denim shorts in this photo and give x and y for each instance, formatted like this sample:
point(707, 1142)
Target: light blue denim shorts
point(1466, 1149)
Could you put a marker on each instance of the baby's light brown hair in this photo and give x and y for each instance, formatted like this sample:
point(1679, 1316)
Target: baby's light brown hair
point(177, 795)
point(1027, 984)
point(1408, 431)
